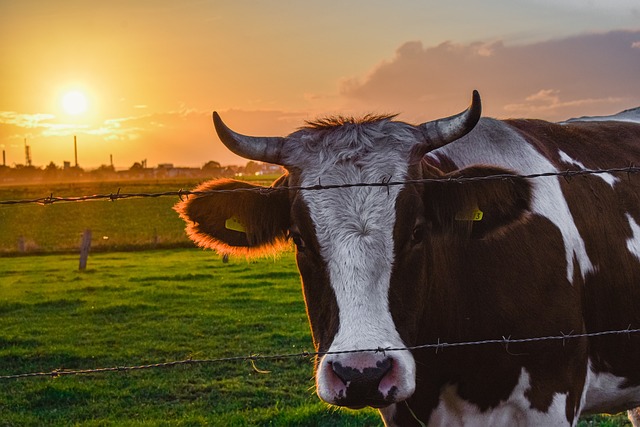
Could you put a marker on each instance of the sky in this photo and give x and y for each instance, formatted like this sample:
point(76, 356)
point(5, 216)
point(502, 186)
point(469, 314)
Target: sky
point(149, 73)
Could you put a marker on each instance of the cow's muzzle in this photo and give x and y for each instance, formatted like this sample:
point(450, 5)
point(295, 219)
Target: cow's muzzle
point(366, 379)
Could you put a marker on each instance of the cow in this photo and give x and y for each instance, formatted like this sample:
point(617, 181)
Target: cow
point(451, 241)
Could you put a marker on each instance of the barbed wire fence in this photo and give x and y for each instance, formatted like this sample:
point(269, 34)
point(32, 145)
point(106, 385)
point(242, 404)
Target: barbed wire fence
point(387, 182)
point(504, 340)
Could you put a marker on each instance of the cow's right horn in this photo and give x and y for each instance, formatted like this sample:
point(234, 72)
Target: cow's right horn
point(263, 149)
point(440, 132)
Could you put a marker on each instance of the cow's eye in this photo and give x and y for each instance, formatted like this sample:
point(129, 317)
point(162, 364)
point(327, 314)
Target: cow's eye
point(297, 239)
point(418, 233)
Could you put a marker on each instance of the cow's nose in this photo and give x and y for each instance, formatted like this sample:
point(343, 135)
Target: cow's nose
point(368, 378)
point(365, 378)
point(361, 386)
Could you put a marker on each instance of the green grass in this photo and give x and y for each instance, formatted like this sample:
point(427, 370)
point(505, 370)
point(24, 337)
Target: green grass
point(146, 307)
point(156, 306)
point(617, 420)
point(121, 225)
point(132, 224)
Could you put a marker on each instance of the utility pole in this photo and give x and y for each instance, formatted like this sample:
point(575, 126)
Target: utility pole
point(75, 149)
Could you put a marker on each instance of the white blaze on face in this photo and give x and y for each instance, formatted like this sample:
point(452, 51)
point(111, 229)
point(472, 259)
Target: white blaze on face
point(354, 229)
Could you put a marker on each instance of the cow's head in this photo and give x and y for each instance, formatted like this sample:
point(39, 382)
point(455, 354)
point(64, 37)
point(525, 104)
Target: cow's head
point(364, 253)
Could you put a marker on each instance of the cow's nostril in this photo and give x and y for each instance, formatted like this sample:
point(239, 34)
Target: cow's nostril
point(366, 377)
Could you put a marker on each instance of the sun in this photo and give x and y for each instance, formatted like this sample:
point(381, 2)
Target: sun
point(74, 102)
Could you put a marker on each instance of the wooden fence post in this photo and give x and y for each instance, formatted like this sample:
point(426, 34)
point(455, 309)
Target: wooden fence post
point(85, 245)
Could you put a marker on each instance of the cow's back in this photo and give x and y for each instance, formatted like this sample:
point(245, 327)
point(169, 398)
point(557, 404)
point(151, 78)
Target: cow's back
point(606, 210)
point(598, 215)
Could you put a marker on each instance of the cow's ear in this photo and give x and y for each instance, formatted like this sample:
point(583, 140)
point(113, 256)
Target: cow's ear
point(481, 207)
point(237, 218)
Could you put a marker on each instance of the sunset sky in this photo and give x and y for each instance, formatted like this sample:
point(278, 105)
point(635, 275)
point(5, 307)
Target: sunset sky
point(145, 75)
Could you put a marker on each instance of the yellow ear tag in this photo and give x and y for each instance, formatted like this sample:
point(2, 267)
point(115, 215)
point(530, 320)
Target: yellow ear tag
point(474, 215)
point(234, 224)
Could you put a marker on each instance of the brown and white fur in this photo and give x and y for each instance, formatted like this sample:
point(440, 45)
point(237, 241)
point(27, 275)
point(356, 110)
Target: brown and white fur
point(405, 265)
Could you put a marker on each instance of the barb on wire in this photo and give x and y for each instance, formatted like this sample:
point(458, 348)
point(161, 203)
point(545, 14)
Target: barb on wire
point(253, 358)
point(114, 197)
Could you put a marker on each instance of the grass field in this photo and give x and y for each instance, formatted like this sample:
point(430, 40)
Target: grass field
point(132, 224)
point(156, 306)
point(139, 308)
point(121, 225)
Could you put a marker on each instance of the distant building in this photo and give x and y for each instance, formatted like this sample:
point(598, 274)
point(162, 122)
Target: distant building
point(168, 170)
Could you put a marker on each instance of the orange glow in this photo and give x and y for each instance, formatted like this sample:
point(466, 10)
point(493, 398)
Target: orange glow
point(139, 80)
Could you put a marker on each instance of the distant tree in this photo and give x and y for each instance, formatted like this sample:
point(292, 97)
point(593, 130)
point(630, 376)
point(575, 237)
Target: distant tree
point(73, 173)
point(51, 167)
point(252, 168)
point(212, 168)
point(136, 167)
point(105, 169)
point(228, 171)
point(22, 172)
point(103, 172)
point(211, 165)
point(51, 171)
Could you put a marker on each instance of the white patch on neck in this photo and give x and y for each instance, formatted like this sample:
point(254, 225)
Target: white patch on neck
point(495, 143)
point(516, 410)
point(633, 242)
point(606, 177)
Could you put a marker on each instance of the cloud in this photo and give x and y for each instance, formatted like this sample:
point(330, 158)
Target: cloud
point(24, 120)
point(549, 101)
point(612, 7)
point(555, 79)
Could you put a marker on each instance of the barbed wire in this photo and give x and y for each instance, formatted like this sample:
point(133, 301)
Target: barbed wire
point(506, 341)
point(568, 174)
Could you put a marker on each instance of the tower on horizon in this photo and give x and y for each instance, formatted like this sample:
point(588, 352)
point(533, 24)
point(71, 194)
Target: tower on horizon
point(75, 149)
point(27, 153)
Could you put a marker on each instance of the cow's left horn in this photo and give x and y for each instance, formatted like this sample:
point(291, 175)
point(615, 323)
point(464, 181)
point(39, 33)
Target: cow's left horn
point(443, 131)
point(263, 149)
